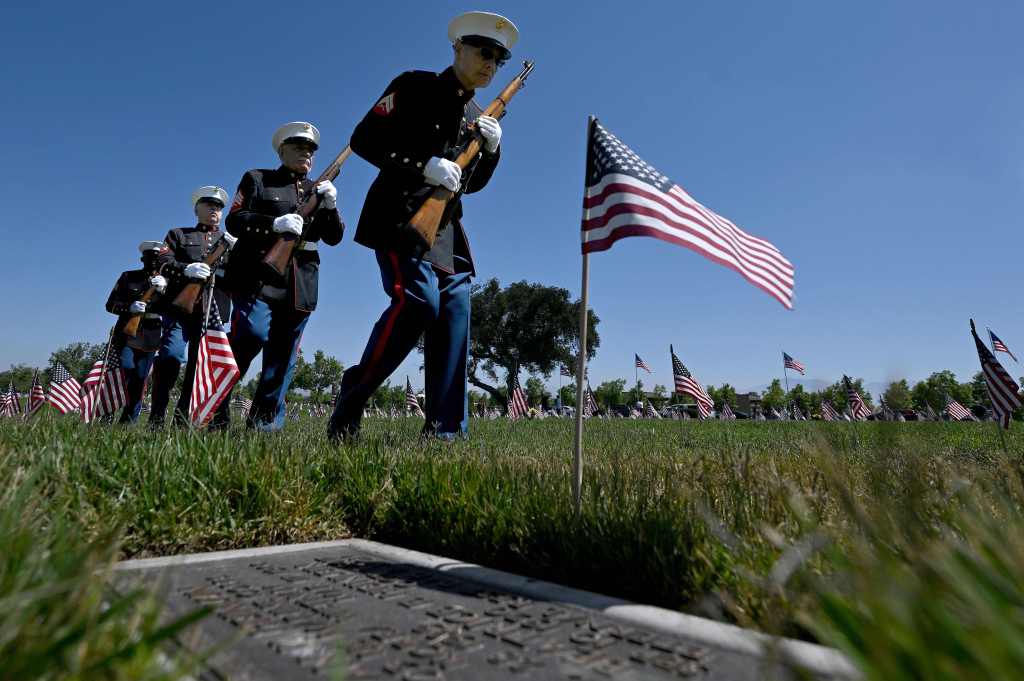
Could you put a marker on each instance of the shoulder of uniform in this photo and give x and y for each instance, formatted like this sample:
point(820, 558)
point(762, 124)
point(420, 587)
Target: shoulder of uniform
point(414, 78)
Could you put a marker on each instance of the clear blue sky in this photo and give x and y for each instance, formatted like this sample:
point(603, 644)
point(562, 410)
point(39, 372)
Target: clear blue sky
point(880, 145)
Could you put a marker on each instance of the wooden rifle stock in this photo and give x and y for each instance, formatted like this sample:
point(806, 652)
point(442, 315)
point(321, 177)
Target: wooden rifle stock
point(185, 301)
point(425, 223)
point(275, 262)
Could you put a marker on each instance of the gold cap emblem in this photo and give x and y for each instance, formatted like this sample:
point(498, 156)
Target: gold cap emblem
point(500, 24)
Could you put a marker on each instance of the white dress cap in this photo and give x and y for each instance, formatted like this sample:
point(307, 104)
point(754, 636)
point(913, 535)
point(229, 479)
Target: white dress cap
point(296, 129)
point(150, 246)
point(486, 24)
point(209, 192)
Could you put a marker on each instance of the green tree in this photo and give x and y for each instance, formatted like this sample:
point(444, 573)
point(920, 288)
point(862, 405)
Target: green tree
point(536, 392)
point(21, 376)
point(800, 397)
point(979, 391)
point(568, 395)
point(932, 391)
point(726, 393)
point(524, 326)
point(898, 395)
point(389, 397)
point(836, 393)
point(774, 397)
point(659, 392)
point(318, 376)
point(609, 393)
point(77, 358)
point(636, 393)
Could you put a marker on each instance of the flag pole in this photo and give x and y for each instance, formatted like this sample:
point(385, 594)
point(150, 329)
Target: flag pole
point(581, 359)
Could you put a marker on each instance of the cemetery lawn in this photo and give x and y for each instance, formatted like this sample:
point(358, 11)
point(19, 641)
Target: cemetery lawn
point(900, 543)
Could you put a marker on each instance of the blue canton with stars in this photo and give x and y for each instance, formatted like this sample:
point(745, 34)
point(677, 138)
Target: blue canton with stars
point(607, 154)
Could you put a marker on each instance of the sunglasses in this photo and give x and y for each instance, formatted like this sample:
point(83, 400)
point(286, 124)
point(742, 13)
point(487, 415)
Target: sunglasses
point(488, 52)
point(491, 54)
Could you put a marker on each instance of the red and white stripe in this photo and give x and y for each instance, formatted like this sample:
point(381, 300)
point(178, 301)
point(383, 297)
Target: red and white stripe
point(621, 206)
point(216, 374)
point(65, 396)
point(100, 400)
point(959, 412)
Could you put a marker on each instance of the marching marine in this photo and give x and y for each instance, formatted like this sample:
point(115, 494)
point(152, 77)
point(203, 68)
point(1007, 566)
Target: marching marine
point(184, 250)
point(417, 125)
point(138, 348)
point(271, 312)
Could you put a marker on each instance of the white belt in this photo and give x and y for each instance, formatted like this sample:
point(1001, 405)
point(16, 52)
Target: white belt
point(150, 315)
point(308, 246)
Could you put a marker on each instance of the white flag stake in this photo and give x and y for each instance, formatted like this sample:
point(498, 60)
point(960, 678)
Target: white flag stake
point(581, 363)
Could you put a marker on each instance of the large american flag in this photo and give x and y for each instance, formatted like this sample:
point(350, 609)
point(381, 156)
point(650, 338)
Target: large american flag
point(517, 406)
point(100, 399)
point(216, 371)
point(625, 196)
point(640, 364)
point(65, 392)
point(790, 363)
point(1002, 390)
point(36, 396)
point(858, 410)
point(999, 346)
point(411, 401)
point(957, 411)
point(686, 384)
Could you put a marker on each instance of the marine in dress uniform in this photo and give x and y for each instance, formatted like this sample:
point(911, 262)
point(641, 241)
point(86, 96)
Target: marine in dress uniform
point(126, 301)
point(419, 123)
point(271, 315)
point(181, 258)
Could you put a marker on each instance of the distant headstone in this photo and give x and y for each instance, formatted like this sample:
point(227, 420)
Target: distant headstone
point(305, 614)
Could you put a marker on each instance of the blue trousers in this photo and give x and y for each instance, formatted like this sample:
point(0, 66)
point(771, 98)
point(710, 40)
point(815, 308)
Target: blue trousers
point(179, 344)
point(424, 302)
point(135, 364)
point(274, 328)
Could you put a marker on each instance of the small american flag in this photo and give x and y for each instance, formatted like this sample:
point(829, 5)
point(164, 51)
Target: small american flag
point(797, 414)
point(65, 391)
point(243, 404)
point(625, 196)
point(1002, 390)
point(216, 371)
point(100, 399)
point(650, 412)
point(517, 406)
point(998, 345)
point(858, 409)
point(687, 385)
point(589, 402)
point(565, 371)
point(411, 401)
point(790, 363)
point(36, 396)
point(726, 414)
point(957, 411)
point(10, 405)
point(640, 364)
point(829, 413)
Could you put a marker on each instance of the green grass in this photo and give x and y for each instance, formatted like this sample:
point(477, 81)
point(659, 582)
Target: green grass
point(832, 532)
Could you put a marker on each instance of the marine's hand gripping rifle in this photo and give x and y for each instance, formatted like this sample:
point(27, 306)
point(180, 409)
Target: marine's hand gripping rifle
point(427, 220)
point(131, 327)
point(275, 262)
point(185, 301)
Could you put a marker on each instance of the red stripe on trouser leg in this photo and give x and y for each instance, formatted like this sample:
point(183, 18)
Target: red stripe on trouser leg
point(398, 291)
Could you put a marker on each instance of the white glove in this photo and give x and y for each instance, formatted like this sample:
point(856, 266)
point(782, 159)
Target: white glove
point(491, 132)
point(197, 270)
point(229, 240)
point(329, 194)
point(138, 307)
point(159, 283)
point(441, 171)
point(288, 223)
